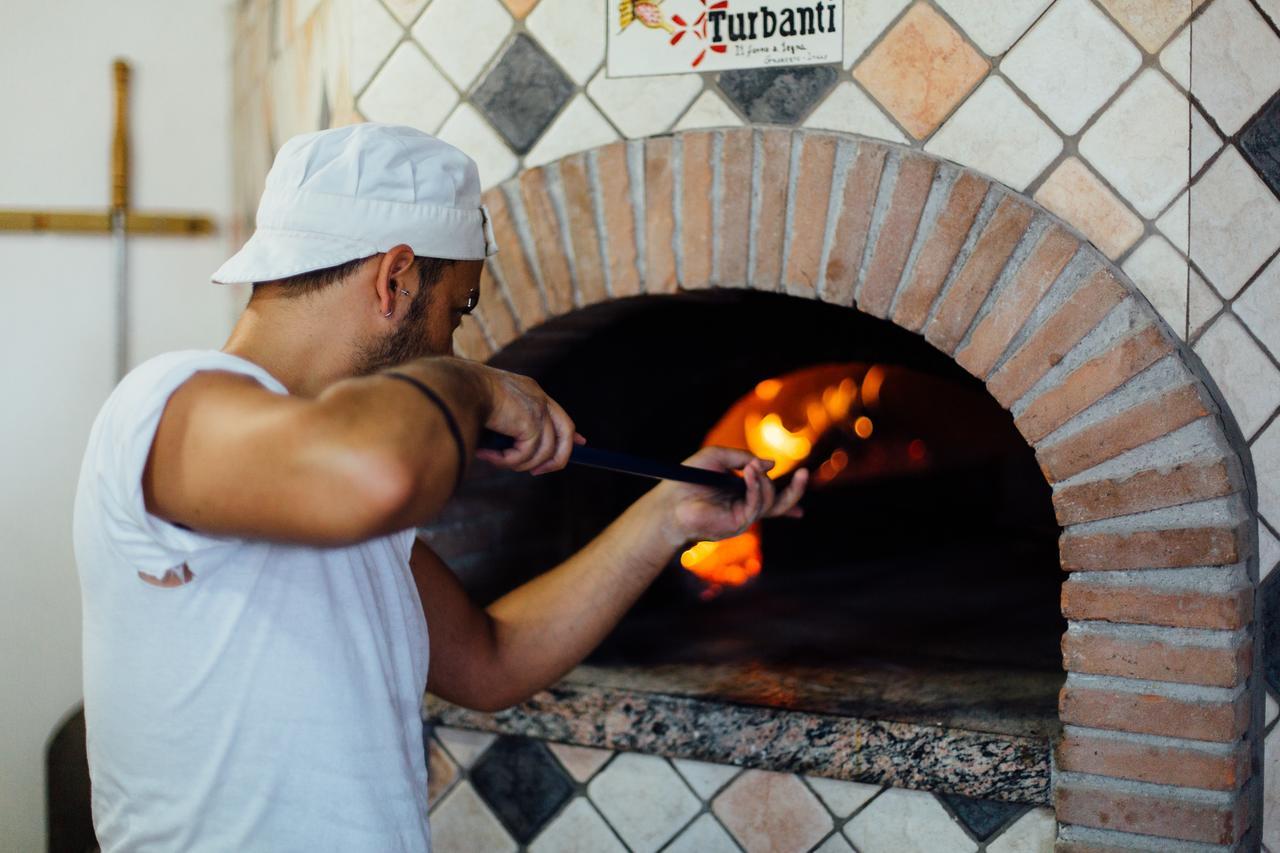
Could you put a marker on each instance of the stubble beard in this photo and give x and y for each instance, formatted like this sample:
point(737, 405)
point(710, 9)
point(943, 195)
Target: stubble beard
point(405, 343)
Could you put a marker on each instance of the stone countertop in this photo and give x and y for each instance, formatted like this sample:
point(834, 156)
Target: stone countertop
point(962, 729)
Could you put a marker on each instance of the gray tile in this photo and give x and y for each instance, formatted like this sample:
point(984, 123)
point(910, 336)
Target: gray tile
point(523, 92)
point(981, 817)
point(1260, 143)
point(522, 783)
point(778, 95)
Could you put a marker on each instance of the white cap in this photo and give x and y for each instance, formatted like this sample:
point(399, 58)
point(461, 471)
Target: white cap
point(337, 195)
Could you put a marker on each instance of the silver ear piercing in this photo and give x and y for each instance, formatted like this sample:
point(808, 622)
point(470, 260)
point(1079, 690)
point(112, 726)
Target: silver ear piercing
point(406, 293)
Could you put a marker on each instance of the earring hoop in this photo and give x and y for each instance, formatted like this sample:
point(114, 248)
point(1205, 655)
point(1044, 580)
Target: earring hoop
point(389, 313)
point(405, 292)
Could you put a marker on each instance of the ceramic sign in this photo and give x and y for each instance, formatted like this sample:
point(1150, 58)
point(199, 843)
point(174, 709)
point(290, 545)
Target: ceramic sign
point(647, 37)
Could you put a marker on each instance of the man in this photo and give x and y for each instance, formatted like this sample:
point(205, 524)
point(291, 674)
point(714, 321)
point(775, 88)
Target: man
point(256, 605)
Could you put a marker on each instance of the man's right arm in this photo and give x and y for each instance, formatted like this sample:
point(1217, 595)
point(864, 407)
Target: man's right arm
point(366, 457)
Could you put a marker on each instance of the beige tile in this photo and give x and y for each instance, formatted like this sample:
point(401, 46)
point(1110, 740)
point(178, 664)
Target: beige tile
point(1259, 307)
point(1150, 22)
point(843, 798)
point(1266, 464)
point(772, 811)
point(1034, 832)
point(582, 762)
point(1247, 378)
point(902, 821)
point(442, 772)
point(643, 106)
point(1235, 223)
point(462, 58)
point(578, 127)
point(709, 110)
point(704, 835)
point(461, 821)
point(1016, 155)
point(409, 90)
point(921, 69)
point(1140, 143)
point(643, 799)
point(864, 21)
point(1160, 272)
point(848, 109)
point(572, 32)
point(463, 744)
point(994, 24)
point(577, 829)
point(1237, 62)
point(1072, 35)
point(1077, 195)
point(467, 130)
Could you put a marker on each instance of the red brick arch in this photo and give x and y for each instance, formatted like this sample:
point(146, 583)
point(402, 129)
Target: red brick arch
point(1161, 703)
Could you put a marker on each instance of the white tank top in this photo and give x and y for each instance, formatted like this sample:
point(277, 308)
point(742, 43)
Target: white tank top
point(273, 702)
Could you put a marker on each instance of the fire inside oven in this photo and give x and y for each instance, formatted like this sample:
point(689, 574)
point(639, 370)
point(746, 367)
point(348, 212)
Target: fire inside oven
point(928, 532)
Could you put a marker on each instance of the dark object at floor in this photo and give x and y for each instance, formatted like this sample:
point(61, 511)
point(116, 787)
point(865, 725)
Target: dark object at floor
point(70, 818)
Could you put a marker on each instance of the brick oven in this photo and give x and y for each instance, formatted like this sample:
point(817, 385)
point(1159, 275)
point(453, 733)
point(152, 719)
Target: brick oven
point(650, 284)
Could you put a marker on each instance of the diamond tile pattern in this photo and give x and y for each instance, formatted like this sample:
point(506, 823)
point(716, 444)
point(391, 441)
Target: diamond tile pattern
point(644, 800)
point(1260, 143)
point(1235, 223)
point(1072, 34)
point(1034, 832)
point(777, 95)
point(708, 110)
point(1077, 195)
point(409, 90)
point(921, 70)
point(1266, 462)
point(793, 820)
point(994, 24)
point(577, 829)
point(849, 109)
point(1259, 307)
point(522, 93)
point(522, 784)
point(981, 817)
point(843, 798)
point(462, 58)
point(1235, 69)
point(901, 821)
point(864, 21)
point(1151, 22)
point(641, 106)
point(570, 31)
point(1246, 377)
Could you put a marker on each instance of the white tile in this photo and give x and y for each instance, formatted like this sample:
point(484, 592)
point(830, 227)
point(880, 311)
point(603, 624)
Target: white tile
point(709, 110)
point(643, 799)
point(843, 798)
point(994, 25)
point(902, 821)
point(1271, 793)
point(703, 776)
point(373, 34)
point(1140, 143)
point(1235, 223)
point(1268, 552)
point(1034, 832)
point(468, 130)
point(847, 108)
point(1161, 274)
point(1074, 35)
point(1272, 709)
point(463, 744)
point(704, 835)
point(864, 21)
point(461, 821)
point(1266, 465)
point(463, 55)
point(1249, 381)
point(1203, 304)
point(572, 32)
point(405, 10)
point(1174, 221)
point(1016, 155)
point(1205, 141)
point(1272, 9)
point(1176, 58)
point(834, 844)
point(643, 106)
point(1237, 62)
point(409, 90)
point(578, 128)
point(1259, 307)
point(582, 762)
point(577, 829)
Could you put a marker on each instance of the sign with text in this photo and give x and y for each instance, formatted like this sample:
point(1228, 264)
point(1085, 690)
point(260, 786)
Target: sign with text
point(647, 37)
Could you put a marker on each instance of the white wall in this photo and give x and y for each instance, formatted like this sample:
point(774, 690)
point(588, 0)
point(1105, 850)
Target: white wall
point(56, 304)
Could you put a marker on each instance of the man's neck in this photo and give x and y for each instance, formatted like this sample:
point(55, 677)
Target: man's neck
point(281, 335)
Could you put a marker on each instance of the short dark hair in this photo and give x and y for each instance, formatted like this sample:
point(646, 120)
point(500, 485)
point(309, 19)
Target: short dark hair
point(430, 270)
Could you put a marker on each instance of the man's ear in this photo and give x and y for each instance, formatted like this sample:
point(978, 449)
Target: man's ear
point(391, 277)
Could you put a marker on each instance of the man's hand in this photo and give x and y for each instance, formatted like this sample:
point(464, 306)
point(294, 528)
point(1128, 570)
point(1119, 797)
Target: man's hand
point(693, 512)
point(544, 433)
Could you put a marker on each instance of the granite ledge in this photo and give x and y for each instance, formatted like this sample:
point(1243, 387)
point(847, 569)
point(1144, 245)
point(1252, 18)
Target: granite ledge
point(807, 721)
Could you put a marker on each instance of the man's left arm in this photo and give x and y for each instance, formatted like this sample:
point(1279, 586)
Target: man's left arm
point(492, 658)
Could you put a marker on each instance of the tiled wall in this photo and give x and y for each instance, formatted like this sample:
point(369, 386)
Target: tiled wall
point(1083, 105)
point(506, 793)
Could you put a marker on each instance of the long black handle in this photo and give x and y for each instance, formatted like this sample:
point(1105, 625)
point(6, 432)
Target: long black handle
point(613, 460)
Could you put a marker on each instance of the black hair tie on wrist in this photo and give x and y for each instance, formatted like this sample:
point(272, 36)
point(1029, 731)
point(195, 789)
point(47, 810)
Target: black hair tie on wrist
point(448, 417)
